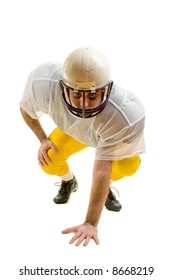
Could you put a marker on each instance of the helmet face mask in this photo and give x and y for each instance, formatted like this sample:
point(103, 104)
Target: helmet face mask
point(98, 97)
point(86, 84)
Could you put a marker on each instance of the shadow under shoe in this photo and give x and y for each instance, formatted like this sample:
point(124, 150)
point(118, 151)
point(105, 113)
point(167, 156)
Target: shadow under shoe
point(66, 189)
point(112, 203)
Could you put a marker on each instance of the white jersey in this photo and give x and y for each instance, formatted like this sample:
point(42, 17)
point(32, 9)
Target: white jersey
point(116, 132)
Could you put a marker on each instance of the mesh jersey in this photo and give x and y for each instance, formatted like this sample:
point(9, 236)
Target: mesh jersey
point(116, 132)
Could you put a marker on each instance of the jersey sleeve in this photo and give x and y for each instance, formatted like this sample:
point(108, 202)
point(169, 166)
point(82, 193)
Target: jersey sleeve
point(26, 102)
point(36, 97)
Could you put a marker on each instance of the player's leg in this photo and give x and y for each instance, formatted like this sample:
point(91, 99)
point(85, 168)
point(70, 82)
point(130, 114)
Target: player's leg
point(120, 169)
point(124, 167)
point(66, 146)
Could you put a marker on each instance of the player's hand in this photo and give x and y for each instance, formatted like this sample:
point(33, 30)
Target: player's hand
point(43, 158)
point(83, 233)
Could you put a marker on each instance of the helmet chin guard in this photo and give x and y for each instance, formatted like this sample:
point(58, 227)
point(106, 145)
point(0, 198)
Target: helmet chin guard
point(86, 70)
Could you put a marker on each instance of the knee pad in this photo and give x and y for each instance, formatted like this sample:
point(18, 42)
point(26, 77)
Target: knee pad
point(58, 165)
point(124, 167)
point(129, 166)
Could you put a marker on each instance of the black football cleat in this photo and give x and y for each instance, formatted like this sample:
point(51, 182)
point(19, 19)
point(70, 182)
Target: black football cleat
point(66, 189)
point(112, 203)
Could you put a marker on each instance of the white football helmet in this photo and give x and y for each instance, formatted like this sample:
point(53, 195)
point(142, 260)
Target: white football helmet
point(86, 70)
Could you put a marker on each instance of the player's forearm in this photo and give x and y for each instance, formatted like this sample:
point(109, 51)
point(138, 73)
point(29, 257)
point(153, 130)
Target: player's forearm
point(35, 125)
point(99, 191)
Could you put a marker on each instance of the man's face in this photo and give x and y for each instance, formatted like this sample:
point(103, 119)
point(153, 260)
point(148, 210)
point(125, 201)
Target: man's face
point(85, 103)
point(86, 99)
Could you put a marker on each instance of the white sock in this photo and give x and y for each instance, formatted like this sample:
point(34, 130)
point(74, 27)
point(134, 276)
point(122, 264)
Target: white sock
point(67, 177)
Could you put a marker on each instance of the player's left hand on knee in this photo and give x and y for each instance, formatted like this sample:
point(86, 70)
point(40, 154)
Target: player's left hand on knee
point(83, 233)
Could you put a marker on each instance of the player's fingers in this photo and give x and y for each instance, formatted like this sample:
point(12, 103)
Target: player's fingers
point(76, 237)
point(95, 238)
point(80, 238)
point(69, 230)
point(54, 148)
point(42, 161)
point(87, 240)
point(46, 157)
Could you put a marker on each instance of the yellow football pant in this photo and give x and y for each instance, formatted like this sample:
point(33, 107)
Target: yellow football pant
point(66, 146)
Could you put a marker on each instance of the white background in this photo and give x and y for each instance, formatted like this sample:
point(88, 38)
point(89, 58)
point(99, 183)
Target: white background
point(137, 38)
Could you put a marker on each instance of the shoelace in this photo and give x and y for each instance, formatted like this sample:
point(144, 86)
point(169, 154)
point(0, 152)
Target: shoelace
point(61, 188)
point(58, 184)
point(112, 187)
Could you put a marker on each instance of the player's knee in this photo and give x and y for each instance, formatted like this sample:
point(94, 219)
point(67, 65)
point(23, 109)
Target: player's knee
point(57, 165)
point(58, 169)
point(130, 165)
